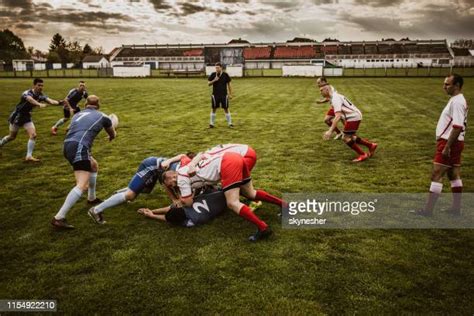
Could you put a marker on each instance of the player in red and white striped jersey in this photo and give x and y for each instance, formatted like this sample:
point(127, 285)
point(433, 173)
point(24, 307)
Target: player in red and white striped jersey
point(321, 82)
point(352, 116)
point(232, 168)
point(450, 133)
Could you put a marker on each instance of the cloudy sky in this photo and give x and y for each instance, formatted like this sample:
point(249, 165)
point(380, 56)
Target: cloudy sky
point(109, 23)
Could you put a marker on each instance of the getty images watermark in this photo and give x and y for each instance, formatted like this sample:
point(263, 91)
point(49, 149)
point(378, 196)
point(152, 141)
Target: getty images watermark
point(373, 210)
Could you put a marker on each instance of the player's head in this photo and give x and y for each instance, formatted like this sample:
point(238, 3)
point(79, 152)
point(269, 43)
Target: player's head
point(170, 178)
point(218, 67)
point(93, 101)
point(321, 82)
point(453, 84)
point(325, 91)
point(38, 85)
point(82, 86)
point(191, 154)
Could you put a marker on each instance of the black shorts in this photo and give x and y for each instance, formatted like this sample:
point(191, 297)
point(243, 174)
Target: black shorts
point(67, 113)
point(19, 119)
point(78, 156)
point(220, 101)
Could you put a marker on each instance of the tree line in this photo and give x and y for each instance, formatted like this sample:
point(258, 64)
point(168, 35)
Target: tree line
point(60, 50)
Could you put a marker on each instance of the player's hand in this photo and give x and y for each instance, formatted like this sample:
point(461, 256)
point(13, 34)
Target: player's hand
point(165, 165)
point(327, 135)
point(177, 203)
point(446, 152)
point(42, 105)
point(231, 96)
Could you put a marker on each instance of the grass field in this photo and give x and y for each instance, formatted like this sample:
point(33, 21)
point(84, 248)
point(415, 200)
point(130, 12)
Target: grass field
point(135, 265)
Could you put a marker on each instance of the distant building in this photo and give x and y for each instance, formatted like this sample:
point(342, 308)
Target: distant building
point(95, 61)
point(23, 64)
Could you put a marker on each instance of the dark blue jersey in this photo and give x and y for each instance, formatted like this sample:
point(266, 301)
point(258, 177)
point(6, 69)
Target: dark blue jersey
point(75, 96)
point(24, 107)
point(86, 125)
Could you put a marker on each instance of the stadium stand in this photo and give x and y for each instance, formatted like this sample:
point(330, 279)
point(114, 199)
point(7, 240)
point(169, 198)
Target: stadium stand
point(300, 52)
point(257, 52)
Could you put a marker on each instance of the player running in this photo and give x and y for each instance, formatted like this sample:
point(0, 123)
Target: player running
point(233, 172)
point(84, 128)
point(21, 116)
point(343, 108)
point(321, 82)
point(149, 172)
point(71, 107)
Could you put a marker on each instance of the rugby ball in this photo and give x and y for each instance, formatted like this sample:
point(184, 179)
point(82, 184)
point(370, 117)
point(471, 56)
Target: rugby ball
point(114, 119)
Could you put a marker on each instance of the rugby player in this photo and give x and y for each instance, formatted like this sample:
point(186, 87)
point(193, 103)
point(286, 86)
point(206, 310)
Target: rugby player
point(71, 107)
point(21, 116)
point(85, 126)
point(220, 82)
point(321, 82)
point(233, 172)
point(343, 108)
point(148, 173)
point(450, 133)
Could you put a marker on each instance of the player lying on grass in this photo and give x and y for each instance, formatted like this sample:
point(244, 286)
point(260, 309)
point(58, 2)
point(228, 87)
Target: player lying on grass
point(205, 208)
point(21, 116)
point(232, 171)
point(84, 128)
point(343, 108)
point(321, 82)
point(70, 108)
point(144, 180)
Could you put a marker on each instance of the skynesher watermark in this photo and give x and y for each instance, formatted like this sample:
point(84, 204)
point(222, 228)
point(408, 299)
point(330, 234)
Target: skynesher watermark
point(373, 210)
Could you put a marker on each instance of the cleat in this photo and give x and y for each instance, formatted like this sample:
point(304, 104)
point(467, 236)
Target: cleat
point(254, 205)
point(54, 131)
point(94, 202)
point(61, 223)
point(260, 234)
point(423, 213)
point(372, 149)
point(32, 159)
point(231, 125)
point(339, 136)
point(361, 158)
point(211, 126)
point(98, 218)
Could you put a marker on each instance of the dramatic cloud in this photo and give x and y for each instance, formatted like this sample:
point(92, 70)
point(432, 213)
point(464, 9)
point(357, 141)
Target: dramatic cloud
point(113, 23)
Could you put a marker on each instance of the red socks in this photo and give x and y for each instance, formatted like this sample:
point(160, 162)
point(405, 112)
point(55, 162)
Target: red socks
point(363, 142)
point(456, 188)
point(356, 148)
point(267, 197)
point(247, 213)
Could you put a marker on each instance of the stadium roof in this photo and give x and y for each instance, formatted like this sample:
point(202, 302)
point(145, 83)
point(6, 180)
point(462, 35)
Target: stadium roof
point(93, 58)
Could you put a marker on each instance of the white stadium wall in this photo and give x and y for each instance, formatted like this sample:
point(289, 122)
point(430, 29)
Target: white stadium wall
point(392, 62)
point(235, 71)
point(57, 66)
point(302, 70)
point(132, 71)
point(40, 66)
point(333, 72)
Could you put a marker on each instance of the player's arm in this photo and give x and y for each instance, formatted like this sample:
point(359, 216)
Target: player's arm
point(173, 196)
point(229, 89)
point(34, 102)
point(458, 118)
point(165, 164)
point(188, 200)
point(111, 132)
point(158, 214)
point(336, 119)
point(193, 163)
point(321, 101)
point(53, 102)
point(212, 78)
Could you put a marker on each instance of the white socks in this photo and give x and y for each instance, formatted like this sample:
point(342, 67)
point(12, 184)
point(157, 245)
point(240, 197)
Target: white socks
point(436, 187)
point(114, 200)
point(71, 199)
point(92, 181)
point(59, 123)
point(4, 140)
point(30, 148)
point(228, 118)
point(213, 118)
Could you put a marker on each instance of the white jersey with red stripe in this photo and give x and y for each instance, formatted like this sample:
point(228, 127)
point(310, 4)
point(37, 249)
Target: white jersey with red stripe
point(240, 149)
point(341, 104)
point(207, 173)
point(454, 115)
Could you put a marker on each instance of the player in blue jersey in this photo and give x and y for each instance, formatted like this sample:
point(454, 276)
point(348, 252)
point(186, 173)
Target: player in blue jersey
point(85, 126)
point(21, 116)
point(205, 208)
point(144, 180)
point(71, 107)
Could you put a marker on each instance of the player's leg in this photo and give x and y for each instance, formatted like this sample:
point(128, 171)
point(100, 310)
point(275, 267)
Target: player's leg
point(11, 136)
point(250, 193)
point(225, 106)
point(372, 146)
point(60, 122)
point(454, 175)
point(214, 107)
point(91, 193)
point(436, 187)
point(82, 182)
point(31, 131)
point(349, 140)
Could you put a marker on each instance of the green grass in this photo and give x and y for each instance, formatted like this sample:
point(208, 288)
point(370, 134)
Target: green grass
point(134, 265)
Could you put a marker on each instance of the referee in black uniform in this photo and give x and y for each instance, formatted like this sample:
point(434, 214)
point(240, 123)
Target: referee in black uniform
point(220, 82)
